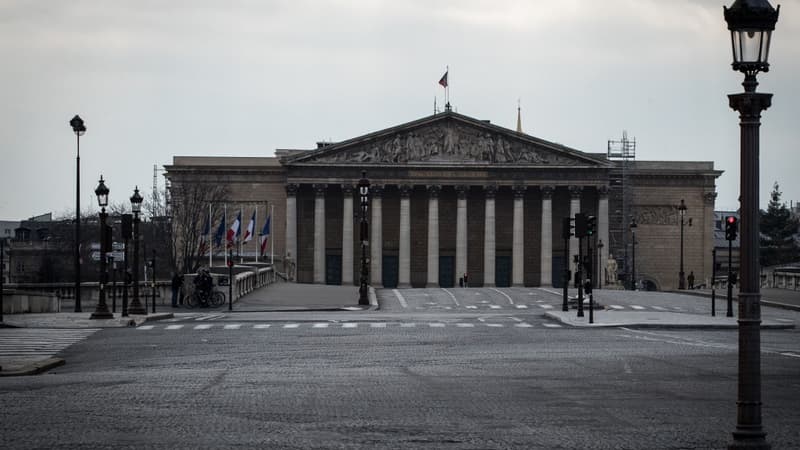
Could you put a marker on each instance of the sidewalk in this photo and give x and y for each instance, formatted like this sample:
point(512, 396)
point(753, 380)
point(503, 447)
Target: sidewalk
point(656, 319)
point(77, 320)
point(776, 298)
point(288, 297)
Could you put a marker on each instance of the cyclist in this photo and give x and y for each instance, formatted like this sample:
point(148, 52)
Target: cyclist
point(203, 284)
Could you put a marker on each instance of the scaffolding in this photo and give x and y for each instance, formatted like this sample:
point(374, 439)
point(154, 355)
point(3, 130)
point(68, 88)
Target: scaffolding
point(620, 196)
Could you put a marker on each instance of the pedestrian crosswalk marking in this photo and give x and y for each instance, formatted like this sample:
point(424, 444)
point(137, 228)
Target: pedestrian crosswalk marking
point(320, 325)
point(342, 325)
point(472, 307)
point(203, 326)
point(378, 325)
point(145, 327)
point(494, 306)
point(522, 306)
point(174, 327)
point(545, 306)
point(436, 325)
point(349, 325)
point(408, 325)
point(637, 307)
point(261, 326)
point(552, 325)
point(465, 325)
point(617, 306)
point(494, 325)
point(22, 346)
point(233, 326)
point(659, 308)
point(291, 325)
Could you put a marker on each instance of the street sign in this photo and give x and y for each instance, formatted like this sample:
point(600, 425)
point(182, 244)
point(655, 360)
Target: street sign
point(118, 256)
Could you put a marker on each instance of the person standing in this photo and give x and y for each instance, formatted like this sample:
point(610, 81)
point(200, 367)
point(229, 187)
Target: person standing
point(690, 279)
point(177, 284)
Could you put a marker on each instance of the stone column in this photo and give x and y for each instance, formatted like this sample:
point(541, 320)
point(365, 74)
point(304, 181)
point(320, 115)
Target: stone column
point(602, 230)
point(319, 233)
point(518, 245)
point(291, 226)
point(347, 235)
point(404, 250)
point(433, 236)
point(489, 237)
point(574, 208)
point(547, 237)
point(461, 231)
point(376, 237)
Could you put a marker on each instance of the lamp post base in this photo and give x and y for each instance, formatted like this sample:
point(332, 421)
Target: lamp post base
point(137, 308)
point(681, 280)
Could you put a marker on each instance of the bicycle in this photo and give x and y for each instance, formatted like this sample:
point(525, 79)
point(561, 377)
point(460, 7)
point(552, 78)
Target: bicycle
point(205, 299)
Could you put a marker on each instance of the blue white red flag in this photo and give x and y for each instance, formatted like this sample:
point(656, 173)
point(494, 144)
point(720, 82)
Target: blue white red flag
point(265, 235)
point(251, 228)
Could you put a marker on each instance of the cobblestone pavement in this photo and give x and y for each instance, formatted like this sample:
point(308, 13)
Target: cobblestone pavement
point(292, 384)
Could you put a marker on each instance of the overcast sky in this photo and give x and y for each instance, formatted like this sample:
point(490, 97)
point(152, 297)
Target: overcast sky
point(154, 79)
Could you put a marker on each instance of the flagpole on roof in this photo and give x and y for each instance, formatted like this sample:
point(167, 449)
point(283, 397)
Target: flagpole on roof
point(447, 89)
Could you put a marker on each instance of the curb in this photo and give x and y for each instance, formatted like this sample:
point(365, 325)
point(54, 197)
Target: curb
point(673, 325)
point(735, 299)
point(35, 368)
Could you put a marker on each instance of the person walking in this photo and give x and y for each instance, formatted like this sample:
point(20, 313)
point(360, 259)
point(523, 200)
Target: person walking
point(690, 279)
point(177, 284)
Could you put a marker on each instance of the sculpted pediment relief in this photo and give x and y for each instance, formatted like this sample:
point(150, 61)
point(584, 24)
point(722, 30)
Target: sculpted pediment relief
point(448, 142)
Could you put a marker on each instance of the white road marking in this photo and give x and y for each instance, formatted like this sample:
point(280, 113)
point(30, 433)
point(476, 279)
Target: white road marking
point(522, 306)
point(349, 325)
point(504, 295)
point(550, 291)
point(173, 327)
point(233, 326)
point(291, 325)
point(320, 325)
point(784, 320)
point(378, 325)
point(616, 306)
point(637, 307)
point(523, 325)
point(791, 355)
point(455, 300)
point(659, 308)
point(400, 298)
point(436, 325)
point(494, 325)
point(552, 325)
point(495, 306)
point(408, 325)
point(261, 326)
point(465, 325)
point(545, 306)
point(203, 326)
point(472, 307)
point(145, 327)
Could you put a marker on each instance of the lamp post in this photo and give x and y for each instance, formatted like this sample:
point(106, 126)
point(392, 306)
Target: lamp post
point(681, 275)
point(363, 192)
point(136, 207)
point(79, 129)
point(600, 264)
point(633, 227)
point(102, 312)
point(751, 23)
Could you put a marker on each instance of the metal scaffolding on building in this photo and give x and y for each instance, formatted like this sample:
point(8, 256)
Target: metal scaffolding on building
point(620, 199)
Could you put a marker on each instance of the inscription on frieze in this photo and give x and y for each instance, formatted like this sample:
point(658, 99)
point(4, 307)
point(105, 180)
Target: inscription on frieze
point(448, 143)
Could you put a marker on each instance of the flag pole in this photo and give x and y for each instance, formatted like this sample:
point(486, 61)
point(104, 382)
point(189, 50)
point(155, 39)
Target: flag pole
point(208, 239)
point(447, 88)
point(255, 227)
point(271, 241)
point(225, 221)
point(238, 238)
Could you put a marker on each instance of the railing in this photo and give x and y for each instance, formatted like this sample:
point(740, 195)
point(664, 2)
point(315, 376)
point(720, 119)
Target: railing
point(781, 279)
point(246, 279)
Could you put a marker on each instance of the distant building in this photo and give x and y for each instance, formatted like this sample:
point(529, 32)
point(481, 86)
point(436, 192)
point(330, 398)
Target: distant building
point(453, 195)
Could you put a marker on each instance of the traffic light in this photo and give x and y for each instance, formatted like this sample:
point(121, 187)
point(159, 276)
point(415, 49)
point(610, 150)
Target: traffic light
point(731, 228)
point(580, 225)
point(566, 228)
point(591, 225)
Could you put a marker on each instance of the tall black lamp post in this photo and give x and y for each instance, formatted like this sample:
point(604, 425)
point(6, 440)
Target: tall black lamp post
point(102, 312)
point(751, 23)
point(136, 207)
point(681, 274)
point(79, 128)
point(633, 227)
point(363, 192)
point(600, 264)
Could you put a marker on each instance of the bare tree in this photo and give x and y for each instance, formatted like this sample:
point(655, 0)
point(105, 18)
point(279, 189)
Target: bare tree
point(190, 206)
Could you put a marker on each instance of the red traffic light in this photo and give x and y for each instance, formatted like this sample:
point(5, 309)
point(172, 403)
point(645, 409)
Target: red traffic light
point(731, 219)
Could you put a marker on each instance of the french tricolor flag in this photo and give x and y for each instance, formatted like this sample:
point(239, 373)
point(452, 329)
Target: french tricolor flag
point(233, 231)
point(248, 234)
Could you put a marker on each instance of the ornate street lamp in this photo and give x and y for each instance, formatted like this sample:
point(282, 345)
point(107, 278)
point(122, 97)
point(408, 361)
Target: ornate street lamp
point(681, 275)
point(363, 192)
point(79, 129)
point(751, 23)
point(633, 227)
point(102, 312)
point(136, 207)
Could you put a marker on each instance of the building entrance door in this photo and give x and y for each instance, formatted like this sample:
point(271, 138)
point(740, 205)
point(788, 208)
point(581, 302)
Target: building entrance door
point(502, 271)
point(390, 271)
point(447, 271)
point(333, 269)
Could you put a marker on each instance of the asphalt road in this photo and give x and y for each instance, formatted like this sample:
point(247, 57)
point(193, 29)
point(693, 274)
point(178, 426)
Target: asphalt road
point(413, 375)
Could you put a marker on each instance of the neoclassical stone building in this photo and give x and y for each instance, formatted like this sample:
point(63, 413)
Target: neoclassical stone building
point(453, 195)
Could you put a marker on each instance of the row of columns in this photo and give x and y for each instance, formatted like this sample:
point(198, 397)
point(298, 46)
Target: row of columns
point(404, 259)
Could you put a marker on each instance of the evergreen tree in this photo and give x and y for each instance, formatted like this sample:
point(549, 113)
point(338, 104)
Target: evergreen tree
point(778, 232)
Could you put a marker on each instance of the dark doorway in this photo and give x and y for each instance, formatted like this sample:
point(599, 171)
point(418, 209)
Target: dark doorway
point(558, 271)
point(333, 269)
point(447, 271)
point(502, 271)
point(390, 271)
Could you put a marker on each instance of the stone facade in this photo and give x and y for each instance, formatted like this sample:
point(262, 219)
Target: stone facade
point(491, 190)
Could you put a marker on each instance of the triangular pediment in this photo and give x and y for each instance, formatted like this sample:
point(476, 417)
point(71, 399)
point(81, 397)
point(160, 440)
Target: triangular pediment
point(447, 139)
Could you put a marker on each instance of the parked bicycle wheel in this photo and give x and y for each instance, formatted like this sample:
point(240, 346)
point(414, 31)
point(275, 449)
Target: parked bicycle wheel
point(191, 300)
point(217, 298)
